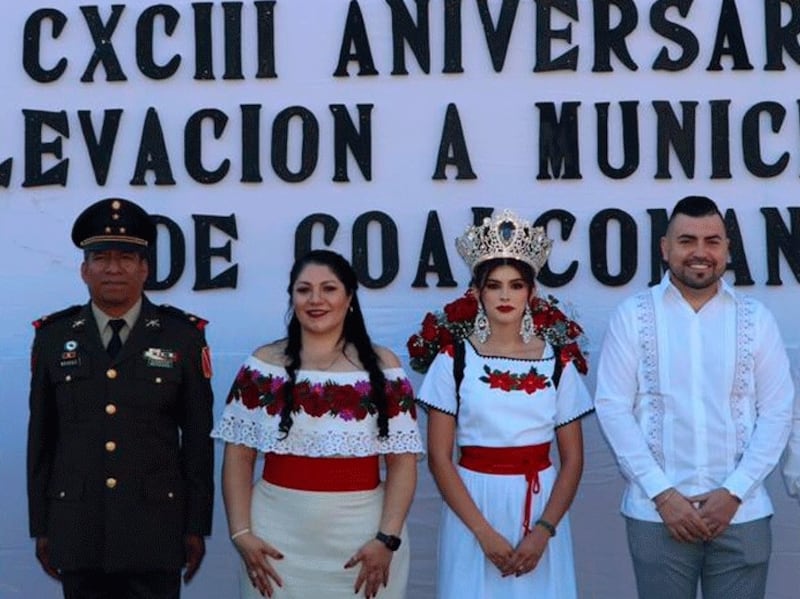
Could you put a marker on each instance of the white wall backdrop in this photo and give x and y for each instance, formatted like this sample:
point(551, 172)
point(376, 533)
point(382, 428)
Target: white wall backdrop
point(732, 133)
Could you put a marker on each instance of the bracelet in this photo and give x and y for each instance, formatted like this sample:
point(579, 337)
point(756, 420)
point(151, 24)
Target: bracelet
point(665, 498)
point(239, 533)
point(547, 526)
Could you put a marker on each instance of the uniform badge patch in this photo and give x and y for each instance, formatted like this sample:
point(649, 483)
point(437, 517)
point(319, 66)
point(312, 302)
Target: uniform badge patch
point(160, 358)
point(69, 358)
point(206, 357)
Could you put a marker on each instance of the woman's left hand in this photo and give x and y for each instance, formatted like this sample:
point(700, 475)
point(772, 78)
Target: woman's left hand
point(375, 559)
point(529, 551)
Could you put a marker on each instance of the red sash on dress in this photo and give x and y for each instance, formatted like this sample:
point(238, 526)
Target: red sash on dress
point(305, 473)
point(528, 460)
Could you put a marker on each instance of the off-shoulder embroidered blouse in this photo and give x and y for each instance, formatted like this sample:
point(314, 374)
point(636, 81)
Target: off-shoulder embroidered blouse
point(332, 413)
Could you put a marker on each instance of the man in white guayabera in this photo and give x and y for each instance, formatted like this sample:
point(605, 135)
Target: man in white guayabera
point(694, 394)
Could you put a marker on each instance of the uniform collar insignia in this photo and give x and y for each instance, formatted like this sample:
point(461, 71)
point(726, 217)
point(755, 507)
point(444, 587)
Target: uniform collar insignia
point(78, 323)
point(152, 323)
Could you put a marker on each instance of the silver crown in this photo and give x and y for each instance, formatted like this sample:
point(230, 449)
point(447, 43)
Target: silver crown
point(504, 236)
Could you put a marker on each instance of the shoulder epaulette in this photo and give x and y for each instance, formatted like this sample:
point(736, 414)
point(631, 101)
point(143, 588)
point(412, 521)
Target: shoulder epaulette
point(194, 320)
point(50, 318)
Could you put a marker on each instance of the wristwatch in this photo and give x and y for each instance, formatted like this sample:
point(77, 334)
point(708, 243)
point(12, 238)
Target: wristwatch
point(392, 542)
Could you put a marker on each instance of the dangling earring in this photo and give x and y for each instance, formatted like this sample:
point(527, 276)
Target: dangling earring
point(526, 328)
point(482, 327)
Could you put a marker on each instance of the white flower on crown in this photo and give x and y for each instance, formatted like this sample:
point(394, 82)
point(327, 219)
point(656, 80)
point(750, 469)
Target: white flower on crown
point(504, 236)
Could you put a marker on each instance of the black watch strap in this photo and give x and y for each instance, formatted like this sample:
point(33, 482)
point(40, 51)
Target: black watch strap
point(392, 542)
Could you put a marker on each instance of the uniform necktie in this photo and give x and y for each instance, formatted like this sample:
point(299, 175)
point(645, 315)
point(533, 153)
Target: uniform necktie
point(116, 341)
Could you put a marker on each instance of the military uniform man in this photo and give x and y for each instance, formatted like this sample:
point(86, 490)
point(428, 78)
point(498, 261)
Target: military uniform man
point(120, 462)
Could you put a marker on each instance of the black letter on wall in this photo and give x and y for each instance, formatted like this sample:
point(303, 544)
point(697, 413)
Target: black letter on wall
point(720, 140)
point(607, 39)
point(630, 140)
point(144, 41)
point(781, 240)
point(192, 139)
point(738, 263)
point(598, 250)
point(302, 235)
point(103, 48)
point(355, 35)
point(309, 150)
point(390, 260)
point(35, 148)
point(203, 252)
point(358, 140)
point(751, 139)
point(416, 34)
point(266, 39)
point(453, 148)
point(546, 276)
point(433, 256)
point(100, 152)
point(251, 143)
point(153, 153)
point(177, 256)
point(558, 141)
point(671, 133)
point(32, 46)
point(568, 61)
point(497, 38)
point(452, 37)
point(730, 27)
point(787, 36)
point(678, 34)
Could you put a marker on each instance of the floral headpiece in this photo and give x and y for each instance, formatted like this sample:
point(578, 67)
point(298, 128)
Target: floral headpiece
point(504, 236)
point(456, 322)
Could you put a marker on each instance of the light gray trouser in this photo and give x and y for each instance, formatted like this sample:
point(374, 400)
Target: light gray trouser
point(731, 566)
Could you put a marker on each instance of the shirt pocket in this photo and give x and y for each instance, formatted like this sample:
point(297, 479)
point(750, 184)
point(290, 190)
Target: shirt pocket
point(66, 489)
point(155, 388)
point(72, 381)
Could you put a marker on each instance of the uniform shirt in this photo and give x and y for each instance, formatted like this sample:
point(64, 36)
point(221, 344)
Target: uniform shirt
point(130, 317)
point(694, 400)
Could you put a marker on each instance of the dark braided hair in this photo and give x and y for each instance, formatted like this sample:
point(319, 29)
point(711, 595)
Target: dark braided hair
point(354, 331)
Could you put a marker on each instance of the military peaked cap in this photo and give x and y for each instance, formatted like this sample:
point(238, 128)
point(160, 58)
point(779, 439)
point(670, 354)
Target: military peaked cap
point(113, 223)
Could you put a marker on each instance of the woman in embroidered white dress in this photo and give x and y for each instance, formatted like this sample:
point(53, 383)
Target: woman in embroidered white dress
point(322, 405)
point(504, 530)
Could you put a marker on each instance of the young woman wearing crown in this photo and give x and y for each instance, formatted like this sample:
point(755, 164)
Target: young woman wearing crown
point(503, 384)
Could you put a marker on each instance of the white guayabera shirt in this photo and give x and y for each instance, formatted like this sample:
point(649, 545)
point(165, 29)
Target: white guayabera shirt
point(694, 400)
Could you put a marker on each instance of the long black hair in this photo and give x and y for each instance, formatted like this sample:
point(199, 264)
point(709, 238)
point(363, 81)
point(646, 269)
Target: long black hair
point(354, 331)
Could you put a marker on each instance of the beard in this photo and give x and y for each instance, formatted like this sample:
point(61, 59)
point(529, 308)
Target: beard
point(697, 280)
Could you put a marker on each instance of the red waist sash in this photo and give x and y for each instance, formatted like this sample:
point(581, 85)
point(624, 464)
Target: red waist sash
point(528, 460)
point(321, 474)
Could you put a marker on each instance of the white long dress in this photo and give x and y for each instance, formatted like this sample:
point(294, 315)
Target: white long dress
point(317, 532)
point(505, 402)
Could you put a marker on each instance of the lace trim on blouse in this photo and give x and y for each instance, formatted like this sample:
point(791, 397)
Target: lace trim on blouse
point(357, 443)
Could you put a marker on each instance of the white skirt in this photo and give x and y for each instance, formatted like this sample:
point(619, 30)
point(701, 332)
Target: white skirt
point(464, 570)
point(317, 533)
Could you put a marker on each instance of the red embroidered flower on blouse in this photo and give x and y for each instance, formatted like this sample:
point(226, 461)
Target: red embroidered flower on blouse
point(348, 402)
point(530, 382)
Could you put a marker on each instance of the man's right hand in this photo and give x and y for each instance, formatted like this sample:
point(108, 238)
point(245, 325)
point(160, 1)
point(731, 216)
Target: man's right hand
point(43, 555)
point(681, 517)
